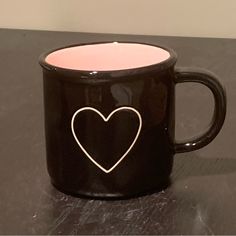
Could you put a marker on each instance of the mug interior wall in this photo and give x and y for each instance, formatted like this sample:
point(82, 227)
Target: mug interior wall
point(107, 56)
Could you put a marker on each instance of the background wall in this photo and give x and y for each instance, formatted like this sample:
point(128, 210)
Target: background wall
point(207, 18)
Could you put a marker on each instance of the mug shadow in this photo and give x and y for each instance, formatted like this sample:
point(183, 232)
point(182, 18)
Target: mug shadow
point(190, 165)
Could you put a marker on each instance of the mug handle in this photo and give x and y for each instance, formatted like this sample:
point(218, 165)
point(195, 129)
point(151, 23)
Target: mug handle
point(211, 81)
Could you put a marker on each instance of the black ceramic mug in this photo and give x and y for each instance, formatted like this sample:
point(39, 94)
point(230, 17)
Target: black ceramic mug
point(110, 117)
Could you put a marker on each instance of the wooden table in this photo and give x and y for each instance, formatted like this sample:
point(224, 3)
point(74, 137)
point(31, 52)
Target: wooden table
point(202, 196)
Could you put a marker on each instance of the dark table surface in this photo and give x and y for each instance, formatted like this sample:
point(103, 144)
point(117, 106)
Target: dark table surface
point(202, 196)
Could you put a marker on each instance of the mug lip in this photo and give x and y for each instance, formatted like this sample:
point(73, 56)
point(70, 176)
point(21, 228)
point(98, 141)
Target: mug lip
point(105, 75)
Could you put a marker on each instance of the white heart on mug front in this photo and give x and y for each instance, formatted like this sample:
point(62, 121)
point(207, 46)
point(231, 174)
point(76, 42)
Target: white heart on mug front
point(106, 119)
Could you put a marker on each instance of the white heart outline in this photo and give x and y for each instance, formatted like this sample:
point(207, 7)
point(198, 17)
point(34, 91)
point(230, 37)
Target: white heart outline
point(106, 119)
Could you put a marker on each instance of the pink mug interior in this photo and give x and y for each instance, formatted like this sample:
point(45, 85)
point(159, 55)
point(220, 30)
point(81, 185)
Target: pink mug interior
point(107, 56)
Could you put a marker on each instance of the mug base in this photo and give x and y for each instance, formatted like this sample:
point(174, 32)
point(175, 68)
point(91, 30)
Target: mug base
point(113, 196)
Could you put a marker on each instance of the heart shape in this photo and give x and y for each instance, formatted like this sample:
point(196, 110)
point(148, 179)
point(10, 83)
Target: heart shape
point(106, 119)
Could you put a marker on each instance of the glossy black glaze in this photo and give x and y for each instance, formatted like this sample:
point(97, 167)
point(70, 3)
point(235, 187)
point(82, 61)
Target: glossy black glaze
point(212, 82)
point(151, 91)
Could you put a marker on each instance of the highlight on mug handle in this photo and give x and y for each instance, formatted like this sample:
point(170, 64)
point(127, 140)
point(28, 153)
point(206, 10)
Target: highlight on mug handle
point(183, 75)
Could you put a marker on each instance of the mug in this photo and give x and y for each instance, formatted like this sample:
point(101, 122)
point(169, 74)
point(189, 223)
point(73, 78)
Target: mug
point(110, 117)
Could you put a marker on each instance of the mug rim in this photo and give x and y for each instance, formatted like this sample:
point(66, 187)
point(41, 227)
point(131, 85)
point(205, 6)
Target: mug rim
point(105, 75)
